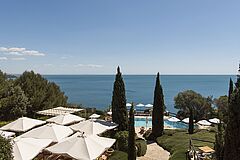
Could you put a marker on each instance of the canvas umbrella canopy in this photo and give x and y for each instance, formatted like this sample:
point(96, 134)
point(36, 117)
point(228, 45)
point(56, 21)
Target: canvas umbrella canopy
point(173, 119)
point(214, 120)
point(28, 148)
point(22, 124)
point(68, 109)
point(149, 106)
point(52, 131)
point(94, 116)
point(204, 123)
point(91, 127)
point(186, 120)
point(65, 119)
point(128, 105)
point(6, 134)
point(82, 147)
point(109, 113)
point(140, 105)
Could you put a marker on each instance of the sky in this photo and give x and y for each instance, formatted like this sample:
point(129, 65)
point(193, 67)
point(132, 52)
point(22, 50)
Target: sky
point(140, 36)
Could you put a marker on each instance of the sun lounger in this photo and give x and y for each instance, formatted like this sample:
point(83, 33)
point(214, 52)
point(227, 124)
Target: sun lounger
point(142, 130)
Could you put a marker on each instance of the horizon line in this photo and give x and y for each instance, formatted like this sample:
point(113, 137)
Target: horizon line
point(166, 74)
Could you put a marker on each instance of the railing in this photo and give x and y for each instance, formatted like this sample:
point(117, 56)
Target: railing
point(193, 150)
point(172, 114)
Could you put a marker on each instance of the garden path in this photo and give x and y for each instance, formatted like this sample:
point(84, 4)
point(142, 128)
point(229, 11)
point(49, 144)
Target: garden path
point(154, 151)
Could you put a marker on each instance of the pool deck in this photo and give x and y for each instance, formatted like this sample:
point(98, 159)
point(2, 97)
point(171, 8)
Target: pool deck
point(166, 126)
point(150, 117)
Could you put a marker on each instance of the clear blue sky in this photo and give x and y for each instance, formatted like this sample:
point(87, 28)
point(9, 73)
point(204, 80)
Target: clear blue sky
point(142, 36)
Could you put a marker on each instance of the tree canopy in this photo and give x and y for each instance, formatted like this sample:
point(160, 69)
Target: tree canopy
point(201, 106)
point(3, 84)
point(15, 103)
point(27, 94)
point(222, 105)
point(41, 93)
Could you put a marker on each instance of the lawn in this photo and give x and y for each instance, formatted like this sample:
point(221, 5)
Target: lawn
point(177, 142)
point(118, 155)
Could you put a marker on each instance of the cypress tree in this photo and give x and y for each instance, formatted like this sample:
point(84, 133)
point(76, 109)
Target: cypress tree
point(191, 123)
point(219, 144)
point(232, 140)
point(119, 109)
point(230, 91)
point(131, 136)
point(158, 110)
point(238, 78)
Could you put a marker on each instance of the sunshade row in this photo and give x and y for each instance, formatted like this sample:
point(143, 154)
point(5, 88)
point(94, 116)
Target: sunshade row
point(201, 122)
point(29, 144)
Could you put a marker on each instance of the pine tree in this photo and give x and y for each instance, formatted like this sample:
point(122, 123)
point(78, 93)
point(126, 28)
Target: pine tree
point(15, 103)
point(191, 123)
point(4, 83)
point(3, 78)
point(41, 93)
point(158, 110)
point(119, 109)
point(131, 136)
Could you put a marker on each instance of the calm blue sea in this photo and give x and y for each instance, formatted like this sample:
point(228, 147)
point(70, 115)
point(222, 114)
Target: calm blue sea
point(96, 90)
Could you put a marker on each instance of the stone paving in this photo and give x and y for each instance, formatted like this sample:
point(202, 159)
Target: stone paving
point(154, 151)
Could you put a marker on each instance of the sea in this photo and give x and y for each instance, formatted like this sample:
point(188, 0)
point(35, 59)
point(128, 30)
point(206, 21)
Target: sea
point(96, 90)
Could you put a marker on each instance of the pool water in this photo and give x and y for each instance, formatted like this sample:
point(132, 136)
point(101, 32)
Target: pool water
point(142, 122)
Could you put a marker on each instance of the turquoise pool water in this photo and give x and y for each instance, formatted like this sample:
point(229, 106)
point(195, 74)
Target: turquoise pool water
point(142, 122)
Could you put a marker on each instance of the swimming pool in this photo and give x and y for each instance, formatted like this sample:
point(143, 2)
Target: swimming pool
point(142, 122)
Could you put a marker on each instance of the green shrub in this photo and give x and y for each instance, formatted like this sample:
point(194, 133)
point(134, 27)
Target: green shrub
point(5, 149)
point(118, 155)
point(109, 134)
point(122, 141)
point(99, 112)
point(148, 135)
point(141, 147)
